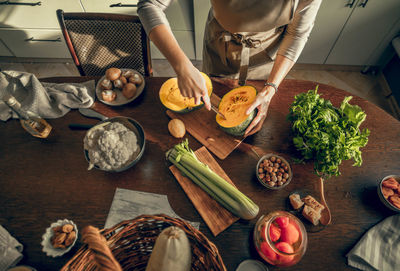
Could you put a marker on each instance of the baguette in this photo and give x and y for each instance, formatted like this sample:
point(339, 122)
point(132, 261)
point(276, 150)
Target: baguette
point(310, 214)
point(313, 203)
point(295, 201)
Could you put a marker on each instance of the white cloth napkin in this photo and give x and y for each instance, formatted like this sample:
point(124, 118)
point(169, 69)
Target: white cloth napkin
point(379, 248)
point(48, 100)
point(10, 250)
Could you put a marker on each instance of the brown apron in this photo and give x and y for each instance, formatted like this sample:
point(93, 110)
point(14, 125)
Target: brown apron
point(244, 55)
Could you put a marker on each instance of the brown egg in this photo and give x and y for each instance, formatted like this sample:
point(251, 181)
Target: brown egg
point(106, 84)
point(108, 95)
point(113, 73)
point(135, 79)
point(129, 90)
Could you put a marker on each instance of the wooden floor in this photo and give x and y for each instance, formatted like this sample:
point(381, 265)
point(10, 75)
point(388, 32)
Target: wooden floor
point(368, 86)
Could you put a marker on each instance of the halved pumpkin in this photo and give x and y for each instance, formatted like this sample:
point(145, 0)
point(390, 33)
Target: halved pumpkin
point(171, 96)
point(233, 106)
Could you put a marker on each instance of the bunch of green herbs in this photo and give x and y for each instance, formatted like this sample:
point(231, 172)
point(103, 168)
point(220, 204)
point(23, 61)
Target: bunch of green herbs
point(327, 134)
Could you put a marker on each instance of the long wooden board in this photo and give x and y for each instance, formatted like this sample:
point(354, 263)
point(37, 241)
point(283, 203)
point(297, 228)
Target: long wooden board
point(201, 125)
point(216, 217)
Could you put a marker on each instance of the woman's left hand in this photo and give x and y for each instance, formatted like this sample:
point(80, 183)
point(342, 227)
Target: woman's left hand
point(261, 103)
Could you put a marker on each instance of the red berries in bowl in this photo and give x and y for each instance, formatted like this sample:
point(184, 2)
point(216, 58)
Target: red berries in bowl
point(280, 238)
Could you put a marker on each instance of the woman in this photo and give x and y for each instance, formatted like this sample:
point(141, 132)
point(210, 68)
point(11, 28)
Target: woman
point(244, 39)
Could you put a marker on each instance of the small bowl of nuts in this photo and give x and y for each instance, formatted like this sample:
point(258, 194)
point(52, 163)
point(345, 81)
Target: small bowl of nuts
point(59, 238)
point(273, 171)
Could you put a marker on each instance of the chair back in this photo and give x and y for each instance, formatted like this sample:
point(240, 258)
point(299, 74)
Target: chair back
point(98, 41)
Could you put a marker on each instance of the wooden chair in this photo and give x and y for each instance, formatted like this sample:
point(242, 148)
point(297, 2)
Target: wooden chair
point(98, 41)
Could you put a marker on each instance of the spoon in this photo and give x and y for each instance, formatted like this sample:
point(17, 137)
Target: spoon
point(326, 213)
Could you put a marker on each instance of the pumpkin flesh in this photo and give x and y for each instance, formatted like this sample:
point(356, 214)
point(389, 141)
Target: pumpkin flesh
point(233, 106)
point(171, 97)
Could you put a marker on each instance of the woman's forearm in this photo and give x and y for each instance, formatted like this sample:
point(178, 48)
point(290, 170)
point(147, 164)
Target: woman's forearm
point(280, 69)
point(165, 41)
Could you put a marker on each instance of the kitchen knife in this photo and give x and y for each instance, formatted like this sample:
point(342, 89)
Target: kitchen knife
point(213, 108)
point(80, 126)
point(87, 112)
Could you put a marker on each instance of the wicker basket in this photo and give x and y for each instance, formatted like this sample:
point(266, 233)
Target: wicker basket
point(131, 243)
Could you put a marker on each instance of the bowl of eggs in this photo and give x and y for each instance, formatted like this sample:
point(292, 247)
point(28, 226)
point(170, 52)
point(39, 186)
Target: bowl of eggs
point(119, 86)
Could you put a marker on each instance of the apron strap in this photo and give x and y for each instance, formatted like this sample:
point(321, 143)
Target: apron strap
point(246, 43)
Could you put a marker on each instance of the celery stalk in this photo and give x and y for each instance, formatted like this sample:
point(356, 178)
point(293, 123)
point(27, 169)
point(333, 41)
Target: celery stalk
point(219, 189)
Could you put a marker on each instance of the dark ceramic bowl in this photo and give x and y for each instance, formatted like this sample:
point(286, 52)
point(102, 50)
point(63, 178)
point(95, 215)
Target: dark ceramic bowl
point(263, 182)
point(136, 128)
point(385, 201)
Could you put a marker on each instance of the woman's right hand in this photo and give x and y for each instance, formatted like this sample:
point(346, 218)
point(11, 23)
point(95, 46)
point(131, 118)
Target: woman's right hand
point(192, 84)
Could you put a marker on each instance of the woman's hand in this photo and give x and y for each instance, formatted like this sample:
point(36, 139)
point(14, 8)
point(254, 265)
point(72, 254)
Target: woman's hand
point(192, 84)
point(261, 103)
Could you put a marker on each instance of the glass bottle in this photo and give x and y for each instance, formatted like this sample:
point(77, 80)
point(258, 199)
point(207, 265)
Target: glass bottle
point(31, 122)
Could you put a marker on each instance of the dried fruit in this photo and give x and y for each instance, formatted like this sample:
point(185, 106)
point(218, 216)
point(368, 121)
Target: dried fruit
point(387, 192)
point(70, 238)
point(176, 128)
point(390, 183)
point(59, 238)
point(67, 228)
point(63, 236)
point(395, 200)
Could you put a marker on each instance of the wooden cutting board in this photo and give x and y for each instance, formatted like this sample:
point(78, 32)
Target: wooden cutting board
point(216, 217)
point(201, 125)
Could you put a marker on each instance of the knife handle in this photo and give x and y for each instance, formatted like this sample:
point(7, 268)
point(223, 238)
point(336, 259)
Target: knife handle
point(79, 126)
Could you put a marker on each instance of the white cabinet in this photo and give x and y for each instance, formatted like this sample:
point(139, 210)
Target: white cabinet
point(35, 43)
point(352, 32)
point(30, 28)
point(4, 51)
point(34, 13)
point(368, 25)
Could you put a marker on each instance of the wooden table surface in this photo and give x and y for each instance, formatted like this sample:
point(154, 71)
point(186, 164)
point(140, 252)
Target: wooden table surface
point(42, 181)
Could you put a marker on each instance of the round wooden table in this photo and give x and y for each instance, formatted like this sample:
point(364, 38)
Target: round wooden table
point(42, 181)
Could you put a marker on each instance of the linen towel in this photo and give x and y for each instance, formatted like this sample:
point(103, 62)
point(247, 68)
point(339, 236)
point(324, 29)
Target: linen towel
point(10, 250)
point(48, 100)
point(379, 248)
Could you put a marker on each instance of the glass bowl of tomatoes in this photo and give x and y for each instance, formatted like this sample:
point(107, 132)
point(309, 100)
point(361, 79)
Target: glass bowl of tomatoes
point(280, 238)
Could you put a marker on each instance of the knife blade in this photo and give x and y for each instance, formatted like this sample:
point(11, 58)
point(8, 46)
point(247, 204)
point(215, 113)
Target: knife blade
point(213, 108)
point(87, 112)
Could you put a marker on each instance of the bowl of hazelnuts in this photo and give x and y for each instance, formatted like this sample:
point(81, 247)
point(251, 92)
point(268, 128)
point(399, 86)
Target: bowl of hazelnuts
point(119, 86)
point(59, 238)
point(274, 171)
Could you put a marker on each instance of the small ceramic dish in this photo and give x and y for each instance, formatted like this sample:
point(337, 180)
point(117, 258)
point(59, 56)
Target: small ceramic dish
point(395, 193)
point(132, 125)
point(46, 243)
point(281, 167)
point(120, 99)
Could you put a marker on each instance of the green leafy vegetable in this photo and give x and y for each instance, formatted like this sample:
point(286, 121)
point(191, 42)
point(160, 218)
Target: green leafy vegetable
point(327, 134)
point(223, 192)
